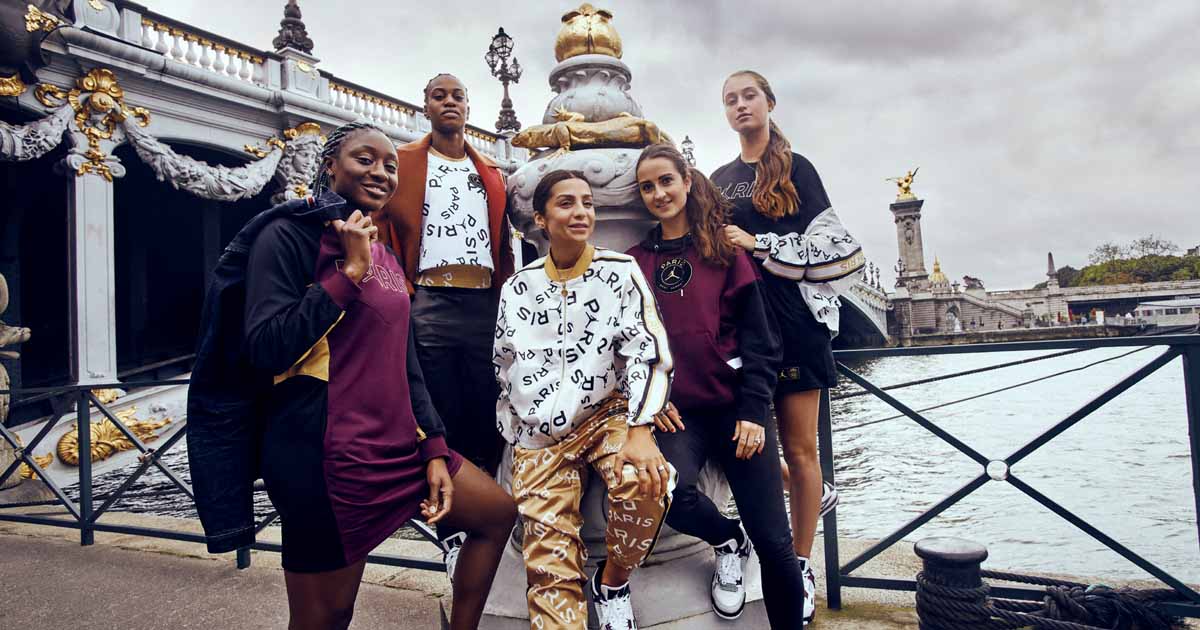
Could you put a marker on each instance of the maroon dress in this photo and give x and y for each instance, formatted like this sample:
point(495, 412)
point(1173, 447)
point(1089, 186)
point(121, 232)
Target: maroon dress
point(350, 427)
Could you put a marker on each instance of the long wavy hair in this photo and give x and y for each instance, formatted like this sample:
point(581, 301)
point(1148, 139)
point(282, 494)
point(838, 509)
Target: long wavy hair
point(706, 209)
point(774, 193)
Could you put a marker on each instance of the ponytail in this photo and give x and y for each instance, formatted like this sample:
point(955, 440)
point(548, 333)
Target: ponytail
point(774, 194)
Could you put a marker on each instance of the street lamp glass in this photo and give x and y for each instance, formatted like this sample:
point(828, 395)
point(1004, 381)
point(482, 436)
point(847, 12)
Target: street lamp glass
point(492, 59)
point(502, 44)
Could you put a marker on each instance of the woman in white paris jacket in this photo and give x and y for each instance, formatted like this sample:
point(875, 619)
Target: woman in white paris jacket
point(583, 365)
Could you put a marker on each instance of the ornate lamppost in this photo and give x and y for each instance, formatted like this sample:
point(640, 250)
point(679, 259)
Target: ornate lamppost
point(497, 59)
point(687, 147)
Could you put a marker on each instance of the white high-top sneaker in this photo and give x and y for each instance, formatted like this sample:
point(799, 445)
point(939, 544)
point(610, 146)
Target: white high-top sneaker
point(614, 605)
point(450, 548)
point(728, 593)
point(810, 591)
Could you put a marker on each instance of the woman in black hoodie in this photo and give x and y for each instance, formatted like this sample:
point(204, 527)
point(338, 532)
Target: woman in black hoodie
point(726, 362)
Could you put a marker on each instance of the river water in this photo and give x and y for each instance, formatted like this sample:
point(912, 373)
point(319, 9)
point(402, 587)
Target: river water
point(1125, 469)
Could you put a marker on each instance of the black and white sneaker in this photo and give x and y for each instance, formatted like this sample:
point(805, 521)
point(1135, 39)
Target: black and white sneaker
point(450, 548)
point(829, 497)
point(614, 605)
point(810, 591)
point(728, 593)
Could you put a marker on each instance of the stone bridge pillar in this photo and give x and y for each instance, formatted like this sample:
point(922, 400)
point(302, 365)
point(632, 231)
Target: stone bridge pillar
point(91, 246)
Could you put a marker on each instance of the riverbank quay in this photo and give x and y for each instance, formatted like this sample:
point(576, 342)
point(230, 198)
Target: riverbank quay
point(136, 583)
point(1013, 335)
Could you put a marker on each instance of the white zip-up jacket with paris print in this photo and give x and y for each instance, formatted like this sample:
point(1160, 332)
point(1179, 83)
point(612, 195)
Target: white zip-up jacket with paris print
point(567, 339)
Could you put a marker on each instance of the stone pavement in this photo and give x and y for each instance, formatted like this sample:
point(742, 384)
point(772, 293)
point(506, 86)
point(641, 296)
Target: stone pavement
point(136, 583)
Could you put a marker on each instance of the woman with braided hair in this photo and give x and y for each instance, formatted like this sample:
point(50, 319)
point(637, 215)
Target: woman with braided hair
point(353, 447)
point(783, 217)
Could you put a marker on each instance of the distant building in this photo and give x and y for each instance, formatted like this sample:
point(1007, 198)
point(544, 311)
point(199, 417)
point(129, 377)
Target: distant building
point(1195, 251)
point(928, 303)
point(1184, 312)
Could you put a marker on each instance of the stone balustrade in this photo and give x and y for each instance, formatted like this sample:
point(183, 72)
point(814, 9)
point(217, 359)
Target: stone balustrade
point(184, 44)
point(177, 43)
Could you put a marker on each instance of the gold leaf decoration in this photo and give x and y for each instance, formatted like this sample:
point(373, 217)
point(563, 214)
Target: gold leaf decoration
point(38, 20)
point(12, 86)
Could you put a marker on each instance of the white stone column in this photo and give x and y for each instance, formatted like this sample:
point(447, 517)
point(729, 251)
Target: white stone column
point(91, 246)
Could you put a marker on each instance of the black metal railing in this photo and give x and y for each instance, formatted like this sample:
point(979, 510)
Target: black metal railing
point(84, 516)
point(839, 575)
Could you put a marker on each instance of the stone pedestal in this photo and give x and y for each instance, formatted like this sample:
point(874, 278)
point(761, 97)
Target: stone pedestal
point(621, 218)
point(6, 460)
point(669, 593)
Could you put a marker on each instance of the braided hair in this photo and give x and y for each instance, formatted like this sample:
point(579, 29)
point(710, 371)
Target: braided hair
point(429, 84)
point(334, 144)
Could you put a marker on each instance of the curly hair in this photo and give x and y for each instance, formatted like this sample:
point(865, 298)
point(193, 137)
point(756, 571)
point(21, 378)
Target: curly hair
point(774, 195)
point(706, 208)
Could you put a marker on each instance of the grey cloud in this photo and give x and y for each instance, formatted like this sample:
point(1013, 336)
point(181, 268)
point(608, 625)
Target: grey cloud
point(1037, 125)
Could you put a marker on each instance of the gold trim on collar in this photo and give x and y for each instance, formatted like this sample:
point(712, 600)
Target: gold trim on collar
point(563, 275)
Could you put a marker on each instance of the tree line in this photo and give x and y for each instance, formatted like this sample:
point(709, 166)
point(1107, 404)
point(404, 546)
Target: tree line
point(1146, 259)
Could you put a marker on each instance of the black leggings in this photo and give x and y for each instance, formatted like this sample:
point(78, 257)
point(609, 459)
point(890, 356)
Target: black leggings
point(758, 492)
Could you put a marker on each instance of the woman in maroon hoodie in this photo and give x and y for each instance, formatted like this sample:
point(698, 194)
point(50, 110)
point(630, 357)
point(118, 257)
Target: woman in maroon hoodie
point(727, 357)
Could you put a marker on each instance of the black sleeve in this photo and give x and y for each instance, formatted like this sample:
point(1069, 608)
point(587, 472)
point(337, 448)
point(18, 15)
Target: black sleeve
point(286, 312)
point(809, 186)
point(761, 350)
point(422, 405)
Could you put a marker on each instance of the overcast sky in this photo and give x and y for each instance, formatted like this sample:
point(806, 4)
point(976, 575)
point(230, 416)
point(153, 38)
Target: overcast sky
point(1038, 126)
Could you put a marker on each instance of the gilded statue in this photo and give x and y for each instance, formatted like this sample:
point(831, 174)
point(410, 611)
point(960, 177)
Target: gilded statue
point(107, 438)
point(904, 183)
point(571, 131)
point(587, 31)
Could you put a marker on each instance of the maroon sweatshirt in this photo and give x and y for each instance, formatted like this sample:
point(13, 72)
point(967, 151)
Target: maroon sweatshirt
point(725, 346)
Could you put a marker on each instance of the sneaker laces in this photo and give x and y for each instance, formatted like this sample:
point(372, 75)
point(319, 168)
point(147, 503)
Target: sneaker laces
point(619, 608)
point(729, 569)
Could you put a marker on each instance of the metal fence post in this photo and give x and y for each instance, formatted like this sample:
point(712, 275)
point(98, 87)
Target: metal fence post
point(833, 565)
point(243, 558)
point(1191, 391)
point(83, 424)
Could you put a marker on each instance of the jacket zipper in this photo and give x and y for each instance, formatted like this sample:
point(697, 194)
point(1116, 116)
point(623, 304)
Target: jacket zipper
point(562, 351)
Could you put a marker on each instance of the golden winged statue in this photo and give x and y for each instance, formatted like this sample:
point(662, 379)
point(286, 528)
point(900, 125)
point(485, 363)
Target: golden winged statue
point(904, 184)
point(571, 131)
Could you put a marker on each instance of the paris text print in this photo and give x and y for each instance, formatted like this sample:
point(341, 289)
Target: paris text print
point(563, 347)
point(454, 224)
point(826, 260)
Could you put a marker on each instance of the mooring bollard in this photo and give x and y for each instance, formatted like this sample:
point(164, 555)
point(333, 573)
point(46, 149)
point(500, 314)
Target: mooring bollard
point(950, 591)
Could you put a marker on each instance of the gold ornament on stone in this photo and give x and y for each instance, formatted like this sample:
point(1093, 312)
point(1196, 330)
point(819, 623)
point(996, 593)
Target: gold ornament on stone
point(303, 129)
point(587, 31)
point(96, 95)
point(260, 152)
point(12, 86)
point(904, 185)
point(106, 396)
point(96, 4)
point(38, 20)
point(42, 461)
point(572, 132)
point(107, 439)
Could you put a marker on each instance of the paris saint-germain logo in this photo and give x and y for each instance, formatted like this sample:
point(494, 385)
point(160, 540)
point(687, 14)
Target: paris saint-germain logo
point(673, 275)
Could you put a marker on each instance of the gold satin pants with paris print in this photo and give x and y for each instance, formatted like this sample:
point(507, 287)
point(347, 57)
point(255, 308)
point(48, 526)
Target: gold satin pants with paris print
point(548, 486)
